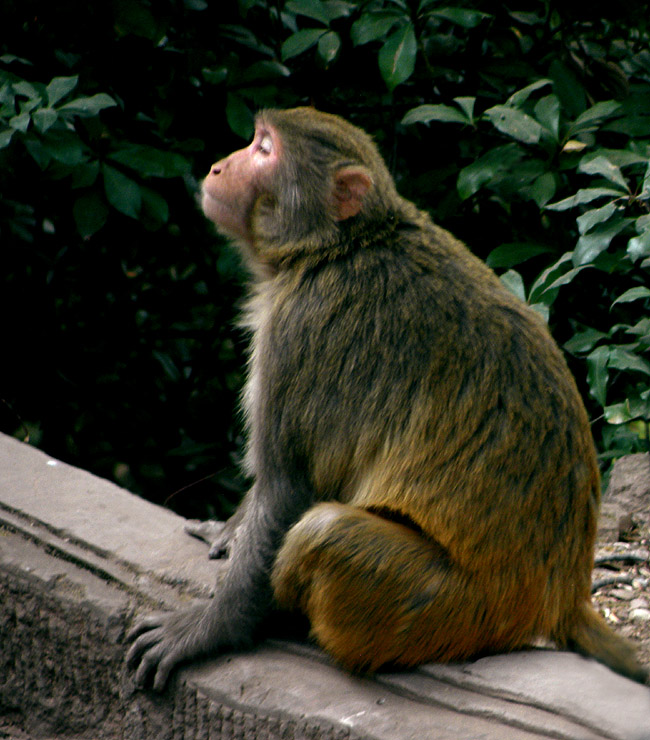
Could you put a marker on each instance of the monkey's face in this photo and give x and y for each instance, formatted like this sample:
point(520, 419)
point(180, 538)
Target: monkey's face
point(304, 173)
point(234, 184)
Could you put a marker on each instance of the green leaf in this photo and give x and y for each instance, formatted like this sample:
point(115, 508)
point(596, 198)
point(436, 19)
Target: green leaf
point(9, 58)
point(427, 113)
point(602, 166)
point(20, 122)
point(585, 195)
point(397, 57)
point(547, 112)
point(240, 118)
point(7, 101)
point(85, 174)
point(300, 42)
point(519, 98)
point(589, 219)
point(5, 137)
point(508, 255)
point(27, 89)
point(639, 246)
point(340, 8)
point(618, 157)
point(623, 359)
point(541, 309)
point(329, 46)
point(122, 192)
point(168, 365)
point(590, 119)
point(265, 70)
point(90, 213)
point(590, 245)
point(215, 76)
point(466, 104)
point(59, 88)
point(545, 278)
point(44, 118)
point(487, 168)
point(371, 27)
point(27, 106)
point(514, 283)
point(514, 123)
point(597, 375)
point(633, 294)
point(641, 328)
point(151, 162)
point(646, 183)
point(461, 16)
point(584, 341)
point(155, 207)
point(64, 146)
point(88, 107)
point(542, 189)
point(37, 151)
point(564, 279)
point(622, 413)
point(136, 18)
point(314, 9)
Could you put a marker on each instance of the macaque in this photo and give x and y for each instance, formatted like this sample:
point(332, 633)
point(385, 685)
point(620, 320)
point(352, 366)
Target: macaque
point(425, 485)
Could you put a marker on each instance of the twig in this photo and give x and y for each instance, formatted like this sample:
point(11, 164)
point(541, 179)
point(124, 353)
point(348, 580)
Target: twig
point(611, 581)
point(630, 557)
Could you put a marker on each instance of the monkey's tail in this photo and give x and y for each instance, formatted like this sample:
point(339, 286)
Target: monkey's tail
point(591, 636)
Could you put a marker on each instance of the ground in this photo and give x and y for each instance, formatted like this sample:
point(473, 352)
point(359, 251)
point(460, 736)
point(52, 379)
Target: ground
point(624, 538)
point(626, 604)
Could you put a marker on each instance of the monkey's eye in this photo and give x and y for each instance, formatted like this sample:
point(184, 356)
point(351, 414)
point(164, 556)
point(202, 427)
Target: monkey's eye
point(266, 144)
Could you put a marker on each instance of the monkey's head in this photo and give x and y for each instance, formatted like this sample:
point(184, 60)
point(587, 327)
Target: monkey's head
point(307, 177)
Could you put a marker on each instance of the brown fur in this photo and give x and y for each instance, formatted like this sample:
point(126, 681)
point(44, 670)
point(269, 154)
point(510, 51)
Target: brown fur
point(411, 421)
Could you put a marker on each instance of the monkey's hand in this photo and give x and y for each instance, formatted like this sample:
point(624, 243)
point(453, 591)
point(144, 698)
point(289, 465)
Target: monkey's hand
point(216, 534)
point(161, 641)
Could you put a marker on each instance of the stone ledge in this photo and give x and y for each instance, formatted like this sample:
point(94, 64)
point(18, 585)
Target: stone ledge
point(78, 556)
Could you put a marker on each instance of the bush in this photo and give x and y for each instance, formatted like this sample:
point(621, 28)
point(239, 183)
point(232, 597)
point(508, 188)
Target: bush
point(524, 129)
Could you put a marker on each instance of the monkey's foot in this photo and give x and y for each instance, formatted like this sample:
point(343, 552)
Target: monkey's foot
point(161, 641)
point(213, 533)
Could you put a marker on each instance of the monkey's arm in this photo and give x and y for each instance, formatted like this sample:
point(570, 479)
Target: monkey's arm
point(242, 598)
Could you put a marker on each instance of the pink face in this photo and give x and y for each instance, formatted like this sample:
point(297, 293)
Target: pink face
point(233, 185)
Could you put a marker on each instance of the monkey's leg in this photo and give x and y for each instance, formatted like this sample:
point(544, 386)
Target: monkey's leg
point(377, 592)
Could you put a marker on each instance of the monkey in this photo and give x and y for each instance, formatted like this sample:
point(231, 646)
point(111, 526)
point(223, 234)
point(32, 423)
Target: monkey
point(424, 480)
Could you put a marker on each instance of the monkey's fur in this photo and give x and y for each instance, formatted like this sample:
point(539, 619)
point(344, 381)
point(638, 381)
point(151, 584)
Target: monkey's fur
point(425, 481)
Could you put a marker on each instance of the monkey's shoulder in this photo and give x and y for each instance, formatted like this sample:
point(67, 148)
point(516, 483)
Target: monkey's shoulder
point(414, 276)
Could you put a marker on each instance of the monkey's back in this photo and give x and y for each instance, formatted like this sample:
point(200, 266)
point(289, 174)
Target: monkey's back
point(408, 381)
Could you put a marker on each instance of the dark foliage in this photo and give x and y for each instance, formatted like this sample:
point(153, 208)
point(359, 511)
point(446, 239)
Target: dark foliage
point(119, 302)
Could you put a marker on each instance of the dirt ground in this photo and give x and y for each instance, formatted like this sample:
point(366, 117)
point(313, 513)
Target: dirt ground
point(621, 577)
point(624, 597)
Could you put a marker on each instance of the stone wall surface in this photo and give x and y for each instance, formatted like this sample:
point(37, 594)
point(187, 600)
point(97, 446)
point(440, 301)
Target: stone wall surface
point(79, 557)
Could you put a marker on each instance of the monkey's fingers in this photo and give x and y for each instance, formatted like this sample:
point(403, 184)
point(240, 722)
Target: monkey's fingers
point(206, 531)
point(149, 661)
point(145, 624)
point(165, 665)
point(155, 651)
point(142, 637)
point(219, 549)
point(144, 654)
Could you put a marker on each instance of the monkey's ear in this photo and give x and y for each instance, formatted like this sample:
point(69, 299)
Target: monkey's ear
point(350, 187)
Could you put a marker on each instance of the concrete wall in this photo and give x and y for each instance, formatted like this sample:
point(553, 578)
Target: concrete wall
point(79, 557)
